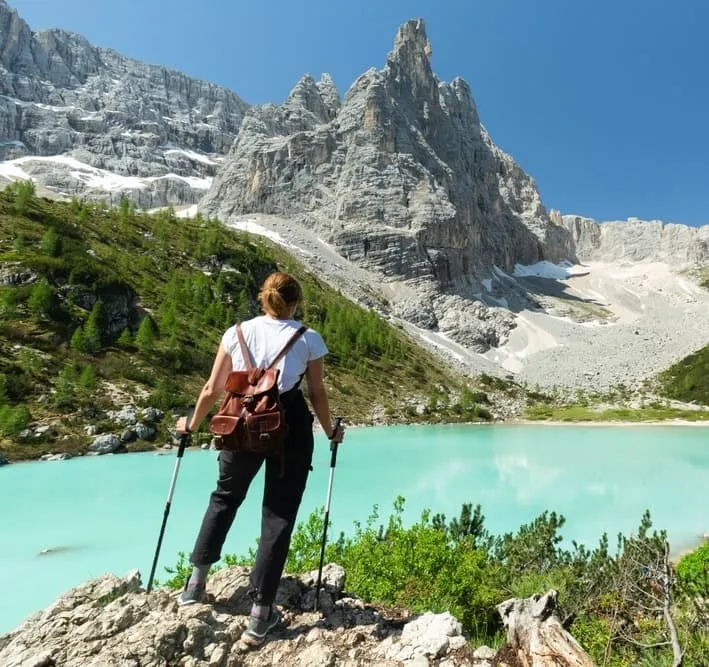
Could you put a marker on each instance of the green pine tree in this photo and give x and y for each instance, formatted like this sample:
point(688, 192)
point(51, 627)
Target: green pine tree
point(78, 340)
point(87, 383)
point(41, 298)
point(3, 389)
point(51, 243)
point(64, 388)
point(145, 338)
point(23, 194)
point(94, 328)
point(125, 339)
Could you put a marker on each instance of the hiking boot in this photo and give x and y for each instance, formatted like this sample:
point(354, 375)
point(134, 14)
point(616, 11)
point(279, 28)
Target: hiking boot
point(258, 628)
point(192, 594)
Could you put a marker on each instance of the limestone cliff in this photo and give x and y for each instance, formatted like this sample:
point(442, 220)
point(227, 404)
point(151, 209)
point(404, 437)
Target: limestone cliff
point(105, 125)
point(637, 240)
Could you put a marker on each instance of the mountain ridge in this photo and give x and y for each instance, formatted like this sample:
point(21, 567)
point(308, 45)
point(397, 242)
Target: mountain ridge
point(146, 132)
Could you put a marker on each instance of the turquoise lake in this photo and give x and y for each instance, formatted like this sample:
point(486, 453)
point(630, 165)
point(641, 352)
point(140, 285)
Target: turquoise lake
point(105, 512)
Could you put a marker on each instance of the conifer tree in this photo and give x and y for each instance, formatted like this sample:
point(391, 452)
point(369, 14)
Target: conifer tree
point(87, 383)
point(51, 243)
point(78, 340)
point(145, 338)
point(125, 339)
point(64, 388)
point(41, 298)
point(93, 329)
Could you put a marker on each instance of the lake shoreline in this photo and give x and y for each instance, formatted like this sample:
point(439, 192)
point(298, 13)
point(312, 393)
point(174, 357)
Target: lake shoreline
point(164, 450)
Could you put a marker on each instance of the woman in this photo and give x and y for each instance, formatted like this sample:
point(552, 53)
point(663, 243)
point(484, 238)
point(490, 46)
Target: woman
point(265, 337)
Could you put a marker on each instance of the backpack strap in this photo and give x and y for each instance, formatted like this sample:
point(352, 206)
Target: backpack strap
point(244, 348)
point(287, 346)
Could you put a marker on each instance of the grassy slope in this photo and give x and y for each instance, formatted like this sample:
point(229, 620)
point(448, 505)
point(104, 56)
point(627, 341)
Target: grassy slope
point(162, 263)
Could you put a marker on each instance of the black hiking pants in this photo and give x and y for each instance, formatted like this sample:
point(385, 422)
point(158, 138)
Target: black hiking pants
point(281, 500)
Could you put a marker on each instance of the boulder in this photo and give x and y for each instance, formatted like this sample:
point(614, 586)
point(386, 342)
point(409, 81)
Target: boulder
point(105, 444)
point(126, 416)
point(152, 415)
point(145, 432)
point(128, 435)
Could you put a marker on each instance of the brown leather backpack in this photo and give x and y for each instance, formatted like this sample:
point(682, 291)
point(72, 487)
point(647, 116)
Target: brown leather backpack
point(251, 418)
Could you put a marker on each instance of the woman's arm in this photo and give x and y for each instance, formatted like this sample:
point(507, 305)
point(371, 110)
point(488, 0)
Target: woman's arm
point(211, 391)
point(318, 398)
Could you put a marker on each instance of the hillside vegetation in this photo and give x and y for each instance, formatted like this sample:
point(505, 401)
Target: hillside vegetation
point(618, 600)
point(103, 307)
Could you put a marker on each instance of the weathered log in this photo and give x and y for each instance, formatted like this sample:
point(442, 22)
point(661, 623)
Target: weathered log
point(535, 636)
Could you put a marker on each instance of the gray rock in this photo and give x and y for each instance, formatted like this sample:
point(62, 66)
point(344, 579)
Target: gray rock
point(13, 274)
point(3, 460)
point(128, 435)
point(144, 432)
point(125, 416)
point(48, 431)
point(152, 415)
point(484, 653)
point(429, 635)
point(91, 429)
point(105, 444)
point(55, 457)
point(99, 125)
point(637, 240)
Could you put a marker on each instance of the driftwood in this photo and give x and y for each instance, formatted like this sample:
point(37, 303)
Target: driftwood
point(535, 636)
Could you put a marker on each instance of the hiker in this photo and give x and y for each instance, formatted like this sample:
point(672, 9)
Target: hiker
point(265, 336)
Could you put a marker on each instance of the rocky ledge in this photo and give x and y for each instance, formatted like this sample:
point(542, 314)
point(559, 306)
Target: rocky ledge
point(113, 621)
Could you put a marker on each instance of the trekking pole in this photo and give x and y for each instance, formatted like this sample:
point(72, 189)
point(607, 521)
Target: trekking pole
point(183, 440)
point(333, 461)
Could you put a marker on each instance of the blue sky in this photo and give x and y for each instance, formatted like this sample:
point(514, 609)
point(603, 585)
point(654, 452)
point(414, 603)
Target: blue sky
point(604, 102)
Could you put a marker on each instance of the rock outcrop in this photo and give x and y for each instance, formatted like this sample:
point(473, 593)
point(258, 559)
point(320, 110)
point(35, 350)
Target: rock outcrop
point(636, 240)
point(87, 121)
point(112, 621)
point(400, 177)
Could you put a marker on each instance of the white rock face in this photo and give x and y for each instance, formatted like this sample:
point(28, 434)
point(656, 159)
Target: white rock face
point(637, 240)
point(131, 129)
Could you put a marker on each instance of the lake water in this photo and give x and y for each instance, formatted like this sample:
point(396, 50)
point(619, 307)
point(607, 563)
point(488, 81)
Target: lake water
point(104, 513)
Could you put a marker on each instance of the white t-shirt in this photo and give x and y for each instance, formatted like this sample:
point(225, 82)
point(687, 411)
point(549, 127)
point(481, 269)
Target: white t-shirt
point(266, 337)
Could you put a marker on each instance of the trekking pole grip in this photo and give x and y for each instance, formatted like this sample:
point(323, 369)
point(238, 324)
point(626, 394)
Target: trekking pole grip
point(333, 445)
point(184, 438)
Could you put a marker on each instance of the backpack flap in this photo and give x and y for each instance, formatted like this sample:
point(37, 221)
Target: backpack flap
point(256, 381)
point(263, 425)
point(223, 425)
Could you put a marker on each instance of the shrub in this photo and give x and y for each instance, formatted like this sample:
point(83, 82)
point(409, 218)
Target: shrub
point(23, 194)
point(693, 572)
point(145, 338)
point(51, 244)
point(41, 299)
point(14, 420)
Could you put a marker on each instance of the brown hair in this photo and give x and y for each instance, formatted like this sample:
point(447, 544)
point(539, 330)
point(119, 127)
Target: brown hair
point(278, 294)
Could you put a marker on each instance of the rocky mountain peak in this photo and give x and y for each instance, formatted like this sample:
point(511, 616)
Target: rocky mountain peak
point(411, 42)
point(86, 121)
point(400, 178)
point(308, 95)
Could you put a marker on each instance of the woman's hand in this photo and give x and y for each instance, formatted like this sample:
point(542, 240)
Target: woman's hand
point(181, 425)
point(339, 435)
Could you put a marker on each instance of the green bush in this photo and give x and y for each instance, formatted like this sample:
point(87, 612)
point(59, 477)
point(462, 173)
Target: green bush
point(51, 243)
point(693, 572)
point(14, 420)
point(41, 299)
